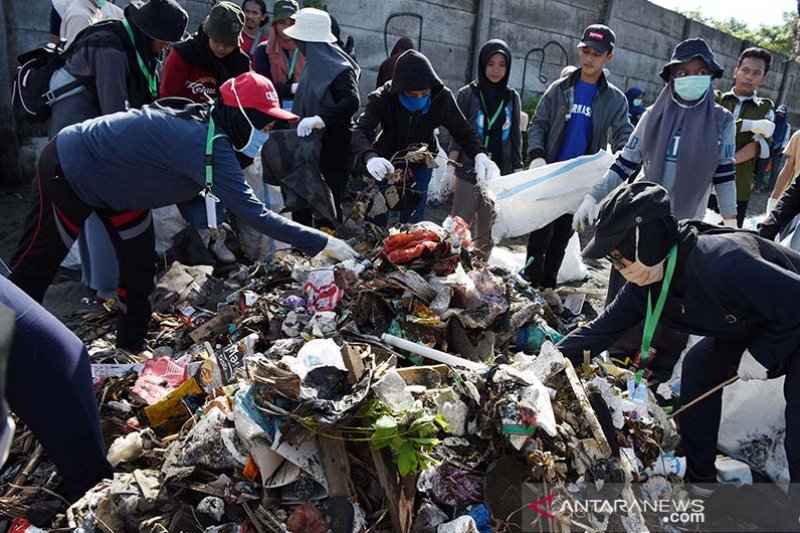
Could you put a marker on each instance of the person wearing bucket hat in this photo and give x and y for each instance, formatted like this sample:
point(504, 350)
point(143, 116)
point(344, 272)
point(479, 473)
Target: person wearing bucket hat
point(195, 69)
point(116, 60)
point(731, 287)
point(162, 154)
point(278, 58)
point(326, 99)
point(754, 121)
point(408, 109)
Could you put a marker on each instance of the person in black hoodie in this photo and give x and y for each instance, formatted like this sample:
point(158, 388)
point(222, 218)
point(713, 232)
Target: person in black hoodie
point(734, 288)
point(494, 109)
point(408, 109)
point(117, 62)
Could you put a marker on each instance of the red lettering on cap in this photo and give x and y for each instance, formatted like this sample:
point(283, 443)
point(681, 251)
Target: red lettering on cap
point(595, 35)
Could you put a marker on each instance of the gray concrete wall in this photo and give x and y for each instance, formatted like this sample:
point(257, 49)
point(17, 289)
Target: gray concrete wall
point(646, 34)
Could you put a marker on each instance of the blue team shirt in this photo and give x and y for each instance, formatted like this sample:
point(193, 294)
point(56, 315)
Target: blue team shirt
point(579, 126)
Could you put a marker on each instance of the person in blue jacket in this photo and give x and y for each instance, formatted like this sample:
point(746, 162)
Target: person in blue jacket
point(48, 386)
point(636, 108)
point(122, 165)
point(737, 290)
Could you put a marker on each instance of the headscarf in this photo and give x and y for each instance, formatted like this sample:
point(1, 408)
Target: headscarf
point(235, 125)
point(493, 96)
point(197, 52)
point(324, 62)
point(698, 151)
point(386, 70)
point(634, 111)
point(280, 50)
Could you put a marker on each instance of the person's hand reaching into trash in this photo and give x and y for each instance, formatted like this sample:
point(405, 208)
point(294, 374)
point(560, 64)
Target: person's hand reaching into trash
point(309, 124)
point(485, 168)
point(338, 249)
point(379, 167)
point(536, 163)
point(586, 215)
point(750, 368)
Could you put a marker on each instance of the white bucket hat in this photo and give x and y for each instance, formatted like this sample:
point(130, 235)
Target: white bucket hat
point(312, 26)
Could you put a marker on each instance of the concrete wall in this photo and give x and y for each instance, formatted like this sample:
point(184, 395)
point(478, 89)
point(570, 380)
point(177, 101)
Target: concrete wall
point(451, 31)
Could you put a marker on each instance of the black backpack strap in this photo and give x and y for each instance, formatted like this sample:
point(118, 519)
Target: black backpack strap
point(52, 96)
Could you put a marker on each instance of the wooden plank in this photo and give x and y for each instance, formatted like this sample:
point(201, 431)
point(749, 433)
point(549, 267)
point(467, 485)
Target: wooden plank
point(217, 324)
point(586, 407)
point(336, 463)
point(400, 492)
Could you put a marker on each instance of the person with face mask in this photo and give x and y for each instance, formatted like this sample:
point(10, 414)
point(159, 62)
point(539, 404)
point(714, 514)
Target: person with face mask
point(194, 69)
point(114, 64)
point(326, 99)
point(159, 155)
point(735, 289)
point(408, 109)
point(635, 97)
point(493, 108)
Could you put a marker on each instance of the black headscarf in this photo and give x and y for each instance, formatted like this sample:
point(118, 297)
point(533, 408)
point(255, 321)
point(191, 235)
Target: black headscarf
point(197, 52)
point(230, 120)
point(493, 95)
point(655, 241)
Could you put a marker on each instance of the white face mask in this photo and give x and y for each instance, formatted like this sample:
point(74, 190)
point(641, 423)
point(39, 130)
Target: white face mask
point(640, 274)
point(637, 102)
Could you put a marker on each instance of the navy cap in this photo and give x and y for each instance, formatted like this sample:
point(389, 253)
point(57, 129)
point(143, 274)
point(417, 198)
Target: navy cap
point(600, 37)
point(690, 49)
point(635, 204)
point(781, 109)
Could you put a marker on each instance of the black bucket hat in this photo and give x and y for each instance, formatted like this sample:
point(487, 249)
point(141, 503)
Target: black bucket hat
point(224, 23)
point(161, 20)
point(690, 49)
point(635, 204)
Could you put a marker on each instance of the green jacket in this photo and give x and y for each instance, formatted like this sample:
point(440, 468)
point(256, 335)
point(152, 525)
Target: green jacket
point(754, 109)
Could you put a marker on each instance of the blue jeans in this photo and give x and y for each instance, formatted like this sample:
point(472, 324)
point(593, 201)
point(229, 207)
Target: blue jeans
point(422, 178)
point(194, 212)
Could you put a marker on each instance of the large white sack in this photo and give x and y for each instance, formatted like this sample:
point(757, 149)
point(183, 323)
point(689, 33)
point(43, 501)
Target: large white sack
point(167, 223)
point(530, 199)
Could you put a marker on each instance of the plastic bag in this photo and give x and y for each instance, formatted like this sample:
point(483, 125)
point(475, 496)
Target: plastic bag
point(528, 200)
point(441, 185)
point(167, 223)
point(572, 268)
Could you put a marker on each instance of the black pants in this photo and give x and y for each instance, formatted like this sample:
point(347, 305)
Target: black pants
point(709, 363)
point(335, 163)
point(741, 212)
point(547, 246)
point(54, 222)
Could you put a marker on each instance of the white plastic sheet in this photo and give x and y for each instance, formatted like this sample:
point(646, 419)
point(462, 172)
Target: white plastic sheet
point(441, 185)
point(528, 200)
point(572, 268)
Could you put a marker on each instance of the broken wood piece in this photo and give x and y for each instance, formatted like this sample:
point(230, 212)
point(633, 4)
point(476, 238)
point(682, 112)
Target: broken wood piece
point(216, 325)
point(400, 492)
point(590, 292)
point(354, 360)
point(22, 478)
point(336, 463)
point(586, 407)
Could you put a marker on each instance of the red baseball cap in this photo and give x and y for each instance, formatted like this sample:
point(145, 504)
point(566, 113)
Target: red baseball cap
point(254, 91)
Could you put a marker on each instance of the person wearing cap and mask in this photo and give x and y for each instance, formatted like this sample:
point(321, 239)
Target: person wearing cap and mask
point(194, 69)
point(278, 58)
point(493, 108)
point(408, 109)
point(116, 61)
point(574, 118)
point(737, 290)
point(780, 138)
point(326, 99)
point(155, 156)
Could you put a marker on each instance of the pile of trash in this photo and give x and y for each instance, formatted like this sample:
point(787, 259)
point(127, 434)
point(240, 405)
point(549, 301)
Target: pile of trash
point(417, 390)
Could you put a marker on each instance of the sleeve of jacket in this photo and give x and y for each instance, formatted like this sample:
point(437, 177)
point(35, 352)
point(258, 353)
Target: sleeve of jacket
point(365, 130)
point(461, 130)
point(174, 75)
point(788, 207)
point(462, 101)
point(724, 179)
point(111, 71)
point(541, 122)
point(346, 98)
point(621, 127)
point(626, 163)
point(261, 61)
point(516, 132)
point(621, 315)
point(774, 299)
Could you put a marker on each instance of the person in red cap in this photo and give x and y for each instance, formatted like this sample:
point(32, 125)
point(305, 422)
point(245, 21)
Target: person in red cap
point(122, 165)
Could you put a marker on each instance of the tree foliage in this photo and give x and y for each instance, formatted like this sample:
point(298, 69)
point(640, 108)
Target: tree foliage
point(779, 38)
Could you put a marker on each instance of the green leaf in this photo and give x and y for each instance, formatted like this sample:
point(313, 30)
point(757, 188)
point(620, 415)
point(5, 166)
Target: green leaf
point(405, 459)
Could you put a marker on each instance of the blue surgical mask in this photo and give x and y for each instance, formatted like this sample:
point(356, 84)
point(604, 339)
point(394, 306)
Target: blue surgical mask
point(637, 102)
point(252, 147)
point(691, 88)
point(101, 3)
point(415, 103)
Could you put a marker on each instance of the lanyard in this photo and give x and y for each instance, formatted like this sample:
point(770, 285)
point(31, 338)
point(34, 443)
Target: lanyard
point(151, 79)
point(653, 315)
point(490, 121)
point(291, 65)
point(210, 199)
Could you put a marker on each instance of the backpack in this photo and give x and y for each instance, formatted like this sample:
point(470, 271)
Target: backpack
point(31, 95)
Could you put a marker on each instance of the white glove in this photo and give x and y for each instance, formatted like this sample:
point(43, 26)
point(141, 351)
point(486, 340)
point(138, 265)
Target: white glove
point(378, 167)
point(338, 249)
point(730, 223)
point(586, 213)
point(759, 127)
point(749, 368)
point(294, 88)
point(771, 203)
point(485, 168)
point(764, 152)
point(308, 124)
point(536, 163)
